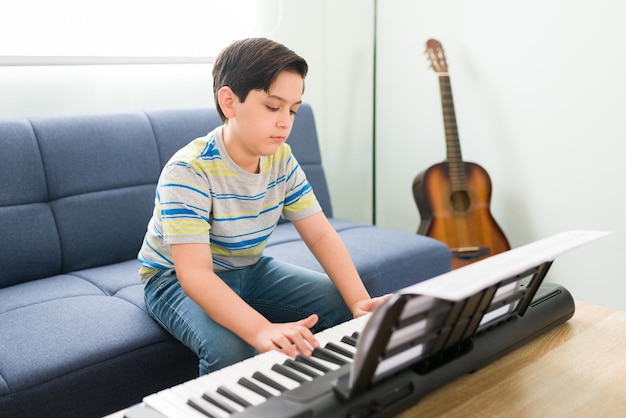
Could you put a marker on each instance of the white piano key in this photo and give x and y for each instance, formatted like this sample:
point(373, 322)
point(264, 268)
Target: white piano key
point(207, 382)
point(347, 328)
point(171, 405)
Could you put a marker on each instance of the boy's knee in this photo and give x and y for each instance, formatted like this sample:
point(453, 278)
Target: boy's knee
point(223, 352)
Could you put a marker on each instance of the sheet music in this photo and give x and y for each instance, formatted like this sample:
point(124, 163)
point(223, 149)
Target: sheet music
point(463, 282)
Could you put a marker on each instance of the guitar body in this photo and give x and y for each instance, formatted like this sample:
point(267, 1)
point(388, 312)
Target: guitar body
point(461, 219)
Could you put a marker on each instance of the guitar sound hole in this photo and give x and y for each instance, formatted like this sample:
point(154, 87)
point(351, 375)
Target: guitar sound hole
point(460, 201)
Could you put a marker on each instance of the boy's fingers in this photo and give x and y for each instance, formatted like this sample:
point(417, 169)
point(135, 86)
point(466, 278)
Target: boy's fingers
point(309, 321)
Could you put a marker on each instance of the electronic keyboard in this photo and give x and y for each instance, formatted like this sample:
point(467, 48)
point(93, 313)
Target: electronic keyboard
point(380, 364)
point(274, 385)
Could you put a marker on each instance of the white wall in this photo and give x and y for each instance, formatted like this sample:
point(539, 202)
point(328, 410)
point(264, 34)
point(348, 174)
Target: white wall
point(538, 89)
point(337, 39)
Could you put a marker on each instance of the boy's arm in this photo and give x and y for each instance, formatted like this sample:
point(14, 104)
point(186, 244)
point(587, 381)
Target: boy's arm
point(194, 269)
point(329, 249)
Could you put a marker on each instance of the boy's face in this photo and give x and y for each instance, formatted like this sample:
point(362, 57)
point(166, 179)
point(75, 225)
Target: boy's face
point(263, 122)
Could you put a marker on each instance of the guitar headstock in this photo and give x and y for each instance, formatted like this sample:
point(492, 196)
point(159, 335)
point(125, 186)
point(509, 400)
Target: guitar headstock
point(437, 56)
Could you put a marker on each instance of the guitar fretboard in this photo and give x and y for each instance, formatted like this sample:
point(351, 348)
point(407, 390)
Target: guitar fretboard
point(454, 158)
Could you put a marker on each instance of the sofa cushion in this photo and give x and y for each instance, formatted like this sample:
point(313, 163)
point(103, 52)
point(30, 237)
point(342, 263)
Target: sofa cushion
point(84, 336)
point(29, 243)
point(86, 154)
point(102, 227)
point(175, 128)
point(20, 165)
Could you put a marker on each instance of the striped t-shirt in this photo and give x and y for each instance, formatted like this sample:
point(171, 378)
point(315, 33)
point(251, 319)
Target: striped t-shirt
point(204, 197)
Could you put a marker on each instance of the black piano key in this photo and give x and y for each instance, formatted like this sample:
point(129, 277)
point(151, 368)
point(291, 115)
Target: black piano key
point(349, 340)
point(324, 354)
point(249, 384)
point(313, 363)
point(339, 350)
point(269, 381)
point(227, 393)
point(210, 397)
point(279, 368)
point(203, 408)
point(301, 368)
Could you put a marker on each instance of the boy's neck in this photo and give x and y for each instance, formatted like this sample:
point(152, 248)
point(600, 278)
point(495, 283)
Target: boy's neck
point(247, 162)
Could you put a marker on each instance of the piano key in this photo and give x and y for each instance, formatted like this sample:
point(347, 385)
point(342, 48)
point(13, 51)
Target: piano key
point(324, 354)
point(267, 360)
point(255, 387)
point(302, 368)
point(269, 381)
point(280, 379)
point(215, 400)
point(349, 340)
point(191, 391)
point(318, 357)
point(253, 365)
point(233, 396)
point(341, 350)
point(230, 389)
point(223, 385)
point(313, 363)
point(171, 405)
point(287, 372)
point(348, 327)
point(269, 389)
point(206, 408)
point(334, 344)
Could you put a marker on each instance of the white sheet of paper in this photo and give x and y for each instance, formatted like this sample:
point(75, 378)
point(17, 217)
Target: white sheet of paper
point(463, 282)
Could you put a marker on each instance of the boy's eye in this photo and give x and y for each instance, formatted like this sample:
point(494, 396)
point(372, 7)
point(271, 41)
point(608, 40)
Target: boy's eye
point(276, 109)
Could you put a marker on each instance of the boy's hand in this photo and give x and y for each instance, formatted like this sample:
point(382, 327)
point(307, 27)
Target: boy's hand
point(291, 338)
point(366, 306)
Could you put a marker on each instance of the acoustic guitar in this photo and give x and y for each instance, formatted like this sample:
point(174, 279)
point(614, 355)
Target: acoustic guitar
point(453, 197)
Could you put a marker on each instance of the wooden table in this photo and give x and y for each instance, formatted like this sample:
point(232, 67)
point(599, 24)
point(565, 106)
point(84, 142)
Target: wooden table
point(575, 370)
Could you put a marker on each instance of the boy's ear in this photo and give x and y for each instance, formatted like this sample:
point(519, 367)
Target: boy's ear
point(226, 99)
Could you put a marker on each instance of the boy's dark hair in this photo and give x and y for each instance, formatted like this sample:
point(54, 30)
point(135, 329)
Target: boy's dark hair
point(253, 64)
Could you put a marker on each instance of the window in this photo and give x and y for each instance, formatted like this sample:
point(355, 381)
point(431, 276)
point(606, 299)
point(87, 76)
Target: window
point(42, 31)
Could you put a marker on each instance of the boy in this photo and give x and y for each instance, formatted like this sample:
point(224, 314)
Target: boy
point(218, 200)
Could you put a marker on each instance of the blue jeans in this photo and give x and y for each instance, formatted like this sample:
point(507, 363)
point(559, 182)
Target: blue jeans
point(279, 291)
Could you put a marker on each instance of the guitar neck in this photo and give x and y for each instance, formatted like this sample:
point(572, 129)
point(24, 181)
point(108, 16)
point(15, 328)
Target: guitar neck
point(453, 148)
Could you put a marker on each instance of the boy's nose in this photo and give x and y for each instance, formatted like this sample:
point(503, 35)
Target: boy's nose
point(285, 120)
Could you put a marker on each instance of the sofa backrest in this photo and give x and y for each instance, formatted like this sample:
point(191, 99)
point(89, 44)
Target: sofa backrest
point(77, 191)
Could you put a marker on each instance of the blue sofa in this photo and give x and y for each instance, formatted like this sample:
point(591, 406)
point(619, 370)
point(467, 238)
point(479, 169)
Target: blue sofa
point(76, 194)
